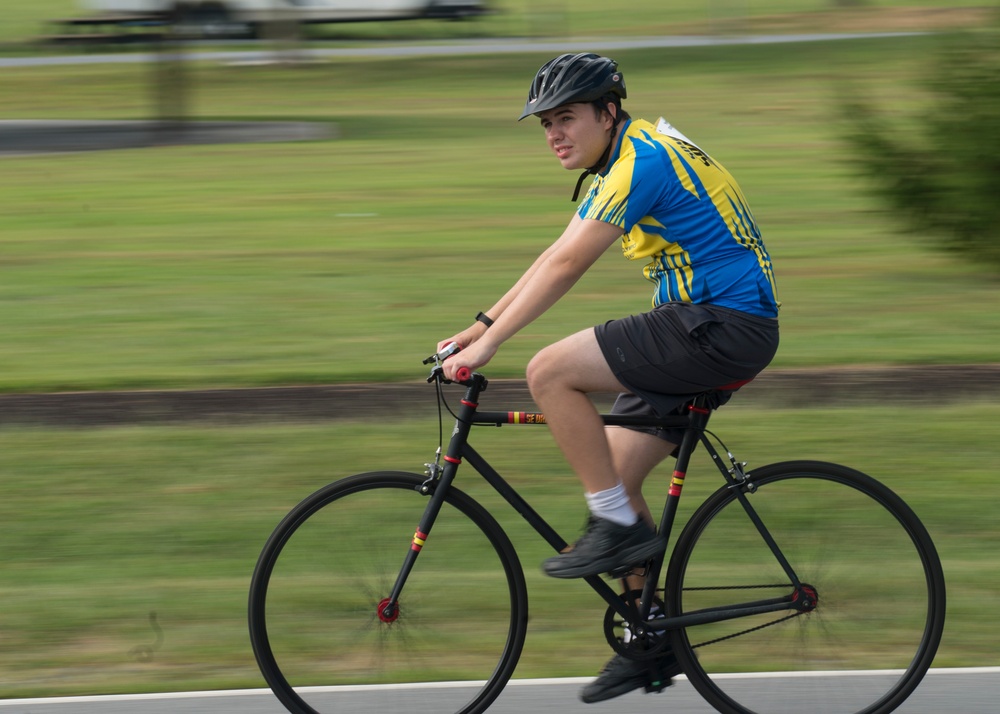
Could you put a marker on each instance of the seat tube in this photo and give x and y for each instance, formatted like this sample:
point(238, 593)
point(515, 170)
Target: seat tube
point(698, 417)
point(698, 421)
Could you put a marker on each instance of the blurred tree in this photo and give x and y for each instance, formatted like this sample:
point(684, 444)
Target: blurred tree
point(943, 180)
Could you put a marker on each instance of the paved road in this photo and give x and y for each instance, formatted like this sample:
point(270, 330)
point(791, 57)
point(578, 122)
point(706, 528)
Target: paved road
point(964, 691)
point(465, 47)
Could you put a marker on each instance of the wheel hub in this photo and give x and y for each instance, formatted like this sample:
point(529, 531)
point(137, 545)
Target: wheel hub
point(387, 612)
point(805, 598)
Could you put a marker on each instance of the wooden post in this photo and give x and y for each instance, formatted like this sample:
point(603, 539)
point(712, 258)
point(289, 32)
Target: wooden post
point(171, 77)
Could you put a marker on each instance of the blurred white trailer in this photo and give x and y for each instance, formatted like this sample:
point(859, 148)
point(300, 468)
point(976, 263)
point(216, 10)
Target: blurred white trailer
point(224, 16)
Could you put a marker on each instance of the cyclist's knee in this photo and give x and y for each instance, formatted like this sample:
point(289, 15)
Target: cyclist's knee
point(540, 373)
point(574, 364)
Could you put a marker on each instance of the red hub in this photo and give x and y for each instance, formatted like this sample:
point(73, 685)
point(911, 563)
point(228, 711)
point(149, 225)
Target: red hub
point(806, 598)
point(387, 612)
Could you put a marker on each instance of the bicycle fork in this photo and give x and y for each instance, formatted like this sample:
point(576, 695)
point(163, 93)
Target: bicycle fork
point(437, 484)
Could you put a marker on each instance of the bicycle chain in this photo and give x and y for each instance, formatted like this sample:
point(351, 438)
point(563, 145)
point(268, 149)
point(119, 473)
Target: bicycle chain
point(746, 632)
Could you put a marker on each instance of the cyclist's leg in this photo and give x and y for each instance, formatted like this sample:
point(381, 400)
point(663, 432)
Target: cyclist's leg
point(634, 455)
point(560, 378)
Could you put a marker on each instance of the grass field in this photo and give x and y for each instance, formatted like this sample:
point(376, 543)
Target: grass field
point(346, 260)
point(105, 526)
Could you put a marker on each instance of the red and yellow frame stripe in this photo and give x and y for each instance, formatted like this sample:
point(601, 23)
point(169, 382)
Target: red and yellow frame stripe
point(676, 483)
point(525, 418)
point(419, 539)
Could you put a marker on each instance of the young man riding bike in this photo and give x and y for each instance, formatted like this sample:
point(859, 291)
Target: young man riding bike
point(713, 321)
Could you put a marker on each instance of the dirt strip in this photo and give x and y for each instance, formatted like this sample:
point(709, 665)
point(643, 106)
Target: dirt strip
point(792, 388)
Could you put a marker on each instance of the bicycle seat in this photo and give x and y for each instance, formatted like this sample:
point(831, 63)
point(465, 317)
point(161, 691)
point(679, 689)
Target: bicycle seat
point(711, 399)
point(732, 386)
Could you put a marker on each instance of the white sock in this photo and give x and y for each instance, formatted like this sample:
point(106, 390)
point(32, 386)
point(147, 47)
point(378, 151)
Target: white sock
point(613, 505)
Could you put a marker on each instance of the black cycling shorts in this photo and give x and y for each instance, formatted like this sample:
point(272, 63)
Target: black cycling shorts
point(678, 350)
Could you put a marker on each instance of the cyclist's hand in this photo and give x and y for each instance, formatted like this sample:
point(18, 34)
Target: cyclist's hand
point(465, 337)
point(472, 358)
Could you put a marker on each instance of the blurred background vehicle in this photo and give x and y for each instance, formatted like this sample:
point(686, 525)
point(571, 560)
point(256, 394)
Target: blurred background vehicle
point(234, 18)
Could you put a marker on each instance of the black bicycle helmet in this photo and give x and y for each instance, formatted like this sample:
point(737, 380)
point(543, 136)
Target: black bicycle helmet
point(569, 78)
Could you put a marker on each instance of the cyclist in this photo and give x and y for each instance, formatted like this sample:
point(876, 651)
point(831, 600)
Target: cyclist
point(713, 321)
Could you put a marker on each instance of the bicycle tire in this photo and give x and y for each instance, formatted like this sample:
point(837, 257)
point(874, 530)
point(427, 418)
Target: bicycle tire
point(880, 589)
point(314, 595)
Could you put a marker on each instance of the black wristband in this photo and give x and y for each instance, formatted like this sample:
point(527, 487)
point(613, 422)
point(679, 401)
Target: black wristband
point(485, 319)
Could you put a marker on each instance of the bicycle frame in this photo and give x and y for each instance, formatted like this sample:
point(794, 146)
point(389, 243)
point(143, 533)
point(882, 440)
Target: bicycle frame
point(694, 424)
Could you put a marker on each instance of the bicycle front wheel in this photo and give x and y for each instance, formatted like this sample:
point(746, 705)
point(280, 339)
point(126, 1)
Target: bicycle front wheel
point(876, 590)
point(314, 608)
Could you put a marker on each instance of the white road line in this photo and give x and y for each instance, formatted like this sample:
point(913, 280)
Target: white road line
point(447, 685)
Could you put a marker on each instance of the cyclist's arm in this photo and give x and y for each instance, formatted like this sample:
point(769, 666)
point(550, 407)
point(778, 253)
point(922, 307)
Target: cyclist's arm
point(478, 329)
point(549, 278)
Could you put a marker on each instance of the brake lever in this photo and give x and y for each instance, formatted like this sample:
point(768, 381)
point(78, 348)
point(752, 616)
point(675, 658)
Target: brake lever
point(437, 359)
point(449, 349)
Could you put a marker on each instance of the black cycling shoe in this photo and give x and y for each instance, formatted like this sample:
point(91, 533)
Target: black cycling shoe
point(606, 547)
point(621, 675)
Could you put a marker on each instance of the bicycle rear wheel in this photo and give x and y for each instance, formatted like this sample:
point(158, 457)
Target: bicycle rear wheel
point(880, 595)
point(314, 616)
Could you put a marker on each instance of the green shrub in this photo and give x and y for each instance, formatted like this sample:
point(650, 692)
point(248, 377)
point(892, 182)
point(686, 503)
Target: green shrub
point(942, 178)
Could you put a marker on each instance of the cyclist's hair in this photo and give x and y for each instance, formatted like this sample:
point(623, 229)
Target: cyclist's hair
point(601, 105)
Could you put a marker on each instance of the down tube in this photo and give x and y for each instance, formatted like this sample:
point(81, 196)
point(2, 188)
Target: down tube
point(541, 526)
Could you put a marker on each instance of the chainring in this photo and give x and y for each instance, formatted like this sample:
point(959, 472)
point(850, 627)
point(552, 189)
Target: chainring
point(643, 644)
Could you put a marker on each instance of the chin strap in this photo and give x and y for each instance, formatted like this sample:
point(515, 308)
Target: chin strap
point(579, 183)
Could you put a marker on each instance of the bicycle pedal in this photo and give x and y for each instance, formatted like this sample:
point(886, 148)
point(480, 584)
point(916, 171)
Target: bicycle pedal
point(657, 687)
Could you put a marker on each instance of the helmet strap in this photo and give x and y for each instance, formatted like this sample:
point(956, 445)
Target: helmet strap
point(579, 183)
point(592, 171)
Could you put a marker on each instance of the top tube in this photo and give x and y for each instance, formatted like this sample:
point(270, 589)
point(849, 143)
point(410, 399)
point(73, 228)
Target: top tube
point(490, 418)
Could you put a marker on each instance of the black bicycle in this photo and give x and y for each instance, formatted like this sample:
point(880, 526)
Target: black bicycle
point(786, 579)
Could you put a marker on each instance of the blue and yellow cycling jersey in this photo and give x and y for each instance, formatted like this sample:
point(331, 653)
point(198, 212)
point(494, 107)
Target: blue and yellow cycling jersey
point(684, 212)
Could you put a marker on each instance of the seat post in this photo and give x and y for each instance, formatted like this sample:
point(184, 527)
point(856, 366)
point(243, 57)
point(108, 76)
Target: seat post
point(698, 415)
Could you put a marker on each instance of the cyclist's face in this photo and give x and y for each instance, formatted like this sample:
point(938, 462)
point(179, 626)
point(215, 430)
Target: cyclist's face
point(577, 134)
